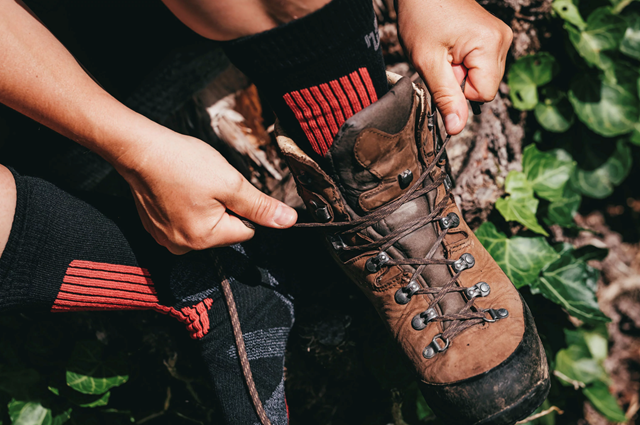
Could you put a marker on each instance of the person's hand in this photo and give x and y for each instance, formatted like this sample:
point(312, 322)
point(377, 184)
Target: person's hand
point(445, 39)
point(184, 190)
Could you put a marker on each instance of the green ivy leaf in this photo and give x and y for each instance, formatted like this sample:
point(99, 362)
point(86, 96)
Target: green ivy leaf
point(572, 284)
point(619, 5)
point(520, 206)
point(562, 210)
point(422, 408)
point(62, 418)
point(555, 112)
point(521, 258)
point(630, 44)
point(546, 172)
point(17, 381)
point(607, 108)
point(599, 395)
point(590, 252)
point(34, 413)
point(599, 183)
point(569, 12)
point(526, 75)
point(89, 372)
point(604, 31)
point(576, 363)
point(29, 413)
point(635, 136)
point(82, 400)
point(595, 341)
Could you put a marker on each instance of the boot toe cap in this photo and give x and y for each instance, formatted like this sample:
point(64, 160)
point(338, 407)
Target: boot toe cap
point(500, 396)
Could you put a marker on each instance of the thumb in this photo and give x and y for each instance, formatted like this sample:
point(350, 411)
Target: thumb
point(250, 203)
point(450, 100)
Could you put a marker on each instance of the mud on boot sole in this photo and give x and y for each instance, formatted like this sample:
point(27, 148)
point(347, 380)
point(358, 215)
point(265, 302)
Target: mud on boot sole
point(496, 396)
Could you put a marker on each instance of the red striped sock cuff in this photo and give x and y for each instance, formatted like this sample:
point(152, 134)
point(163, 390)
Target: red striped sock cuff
point(321, 110)
point(94, 286)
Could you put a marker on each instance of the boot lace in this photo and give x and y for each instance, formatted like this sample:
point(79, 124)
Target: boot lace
point(469, 315)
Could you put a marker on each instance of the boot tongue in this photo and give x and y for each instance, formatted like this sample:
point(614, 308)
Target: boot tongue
point(375, 159)
point(371, 147)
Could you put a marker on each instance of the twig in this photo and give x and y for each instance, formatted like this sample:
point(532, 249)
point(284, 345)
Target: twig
point(396, 408)
point(188, 418)
point(541, 414)
point(167, 403)
point(173, 371)
point(634, 406)
point(576, 384)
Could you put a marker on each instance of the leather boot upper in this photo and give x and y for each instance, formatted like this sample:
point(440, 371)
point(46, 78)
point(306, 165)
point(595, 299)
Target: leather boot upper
point(375, 158)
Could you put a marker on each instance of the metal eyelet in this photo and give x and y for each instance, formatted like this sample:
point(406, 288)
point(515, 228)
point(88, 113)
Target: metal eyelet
point(466, 261)
point(435, 347)
point(374, 264)
point(321, 212)
point(404, 294)
point(405, 178)
point(451, 221)
point(336, 241)
point(496, 314)
point(420, 321)
point(480, 289)
point(448, 184)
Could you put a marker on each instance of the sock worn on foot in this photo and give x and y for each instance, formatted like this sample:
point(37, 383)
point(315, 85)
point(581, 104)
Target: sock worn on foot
point(317, 71)
point(64, 255)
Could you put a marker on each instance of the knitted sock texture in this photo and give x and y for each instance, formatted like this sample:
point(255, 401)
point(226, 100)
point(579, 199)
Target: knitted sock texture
point(316, 71)
point(64, 255)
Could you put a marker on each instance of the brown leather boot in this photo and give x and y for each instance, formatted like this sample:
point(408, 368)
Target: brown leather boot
point(393, 226)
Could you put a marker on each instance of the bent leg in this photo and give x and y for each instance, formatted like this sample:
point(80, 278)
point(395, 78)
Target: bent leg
point(316, 69)
point(231, 19)
point(64, 255)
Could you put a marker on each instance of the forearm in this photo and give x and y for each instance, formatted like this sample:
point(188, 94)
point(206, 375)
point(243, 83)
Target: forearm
point(41, 79)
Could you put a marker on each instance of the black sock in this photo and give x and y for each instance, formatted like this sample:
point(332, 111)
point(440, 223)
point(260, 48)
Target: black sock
point(316, 71)
point(65, 255)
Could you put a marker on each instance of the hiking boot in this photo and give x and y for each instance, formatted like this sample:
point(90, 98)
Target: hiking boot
point(393, 226)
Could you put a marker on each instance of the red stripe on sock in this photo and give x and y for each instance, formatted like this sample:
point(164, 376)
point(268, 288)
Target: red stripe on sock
point(110, 284)
point(320, 121)
point(109, 267)
point(326, 109)
point(96, 274)
point(303, 122)
point(351, 94)
point(204, 317)
point(90, 286)
point(64, 306)
point(108, 293)
point(335, 106)
point(171, 312)
point(193, 319)
point(362, 92)
point(364, 74)
point(88, 303)
point(89, 299)
point(308, 114)
point(342, 98)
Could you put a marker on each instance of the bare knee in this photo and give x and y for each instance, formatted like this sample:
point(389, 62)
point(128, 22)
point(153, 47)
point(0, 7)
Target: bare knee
point(230, 19)
point(7, 205)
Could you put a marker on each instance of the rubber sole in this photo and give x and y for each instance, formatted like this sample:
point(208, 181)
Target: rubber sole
point(521, 409)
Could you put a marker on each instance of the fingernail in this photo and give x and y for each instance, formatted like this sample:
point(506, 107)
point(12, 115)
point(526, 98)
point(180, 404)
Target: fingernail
point(284, 216)
point(451, 121)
